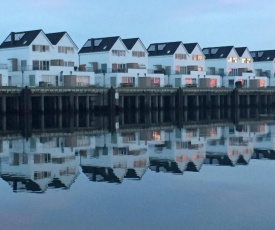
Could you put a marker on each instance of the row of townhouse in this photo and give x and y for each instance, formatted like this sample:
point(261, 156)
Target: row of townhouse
point(34, 58)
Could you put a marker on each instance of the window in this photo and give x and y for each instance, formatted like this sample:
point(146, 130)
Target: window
point(232, 59)
point(152, 48)
point(118, 53)
point(88, 44)
point(40, 48)
point(138, 54)
point(65, 49)
point(41, 65)
point(161, 47)
point(246, 60)
point(197, 57)
point(180, 56)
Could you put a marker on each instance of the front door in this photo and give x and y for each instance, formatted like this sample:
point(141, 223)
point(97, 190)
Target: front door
point(32, 80)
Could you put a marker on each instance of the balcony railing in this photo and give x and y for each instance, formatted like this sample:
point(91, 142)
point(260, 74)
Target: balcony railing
point(29, 68)
point(3, 66)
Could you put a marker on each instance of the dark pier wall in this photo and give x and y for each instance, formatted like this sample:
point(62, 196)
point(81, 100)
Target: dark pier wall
point(128, 99)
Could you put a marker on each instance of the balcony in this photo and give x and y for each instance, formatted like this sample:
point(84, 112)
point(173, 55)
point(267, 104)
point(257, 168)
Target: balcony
point(29, 68)
point(3, 66)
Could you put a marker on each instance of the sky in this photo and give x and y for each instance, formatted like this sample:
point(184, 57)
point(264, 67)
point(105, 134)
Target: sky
point(209, 22)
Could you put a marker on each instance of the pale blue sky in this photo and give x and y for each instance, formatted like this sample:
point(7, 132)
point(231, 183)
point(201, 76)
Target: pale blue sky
point(209, 22)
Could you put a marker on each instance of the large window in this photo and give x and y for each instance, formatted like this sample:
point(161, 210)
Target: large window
point(232, 59)
point(118, 53)
point(180, 56)
point(40, 48)
point(197, 57)
point(246, 60)
point(41, 65)
point(65, 49)
point(138, 54)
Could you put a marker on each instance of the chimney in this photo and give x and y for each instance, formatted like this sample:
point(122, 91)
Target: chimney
point(92, 43)
point(12, 37)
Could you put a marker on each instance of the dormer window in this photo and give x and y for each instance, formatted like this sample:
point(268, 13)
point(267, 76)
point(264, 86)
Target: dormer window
point(206, 51)
point(88, 44)
point(97, 42)
point(161, 47)
point(151, 48)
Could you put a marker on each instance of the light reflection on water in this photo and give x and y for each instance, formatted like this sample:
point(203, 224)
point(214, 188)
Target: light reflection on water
point(205, 174)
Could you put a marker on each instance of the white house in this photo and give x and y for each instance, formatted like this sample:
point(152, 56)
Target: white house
point(3, 74)
point(264, 64)
point(183, 64)
point(37, 164)
point(118, 62)
point(34, 57)
point(231, 66)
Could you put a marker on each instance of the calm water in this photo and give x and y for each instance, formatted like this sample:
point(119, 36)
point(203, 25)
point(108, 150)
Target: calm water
point(203, 171)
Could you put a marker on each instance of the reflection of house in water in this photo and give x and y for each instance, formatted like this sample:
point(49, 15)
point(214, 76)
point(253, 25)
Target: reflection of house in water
point(39, 163)
point(233, 147)
point(118, 156)
point(182, 151)
point(264, 144)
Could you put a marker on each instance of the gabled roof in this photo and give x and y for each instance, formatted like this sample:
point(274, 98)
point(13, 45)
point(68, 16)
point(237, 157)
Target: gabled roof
point(130, 42)
point(99, 44)
point(19, 39)
point(263, 55)
point(161, 49)
point(190, 47)
point(55, 37)
point(240, 50)
point(217, 52)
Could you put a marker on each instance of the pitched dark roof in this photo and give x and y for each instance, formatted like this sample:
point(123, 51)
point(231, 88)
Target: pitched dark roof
point(190, 47)
point(217, 52)
point(263, 55)
point(26, 38)
point(240, 50)
point(55, 37)
point(130, 42)
point(168, 49)
point(98, 44)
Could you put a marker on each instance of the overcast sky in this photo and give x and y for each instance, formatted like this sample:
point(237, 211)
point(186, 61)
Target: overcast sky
point(209, 22)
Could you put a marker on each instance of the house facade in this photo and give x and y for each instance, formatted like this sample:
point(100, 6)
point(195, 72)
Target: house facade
point(233, 65)
point(182, 64)
point(264, 64)
point(118, 62)
point(35, 58)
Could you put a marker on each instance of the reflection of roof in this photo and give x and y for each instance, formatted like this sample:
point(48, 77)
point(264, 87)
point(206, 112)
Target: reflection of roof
point(56, 183)
point(131, 174)
point(218, 159)
point(192, 167)
point(165, 166)
point(30, 185)
point(264, 153)
point(100, 174)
